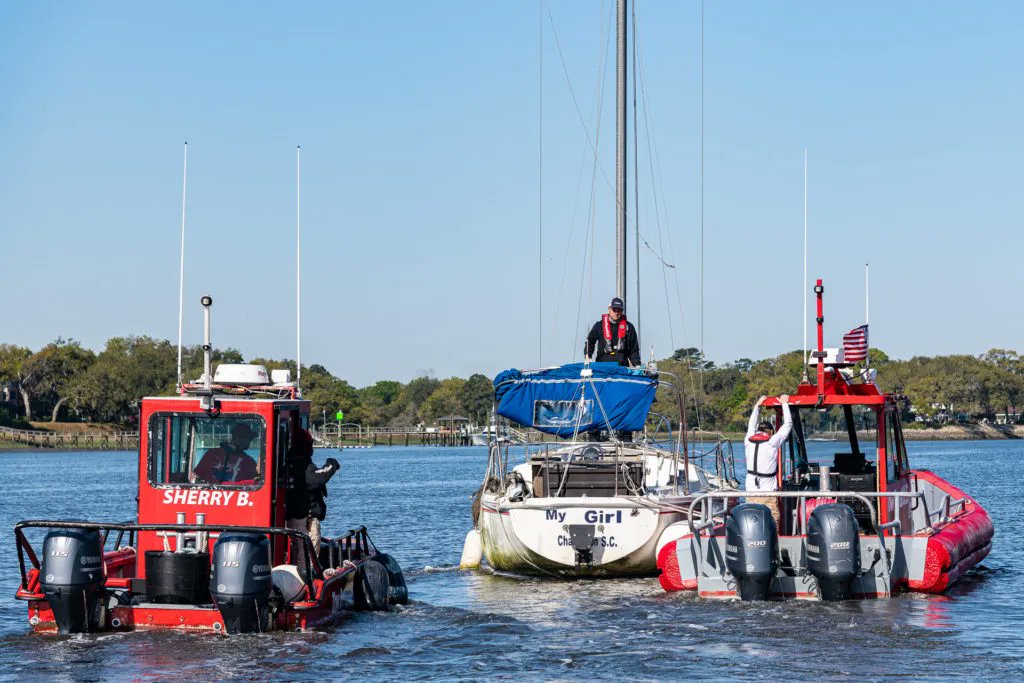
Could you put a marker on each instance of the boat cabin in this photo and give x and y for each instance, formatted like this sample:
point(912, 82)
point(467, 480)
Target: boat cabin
point(217, 456)
point(872, 459)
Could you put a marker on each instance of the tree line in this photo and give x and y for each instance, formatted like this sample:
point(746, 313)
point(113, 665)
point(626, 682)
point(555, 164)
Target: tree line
point(937, 389)
point(63, 381)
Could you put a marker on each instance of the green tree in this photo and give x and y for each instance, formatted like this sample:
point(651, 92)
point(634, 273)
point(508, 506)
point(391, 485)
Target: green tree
point(411, 400)
point(127, 369)
point(695, 357)
point(55, 368)
point(14, 367)
point(446, 399)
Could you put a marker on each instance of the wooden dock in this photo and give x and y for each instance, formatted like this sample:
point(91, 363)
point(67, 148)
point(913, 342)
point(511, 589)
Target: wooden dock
point(384, 436)
point(127, 441)
point(100, 441)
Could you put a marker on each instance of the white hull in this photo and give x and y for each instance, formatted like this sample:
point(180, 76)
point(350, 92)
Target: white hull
point(533, 536)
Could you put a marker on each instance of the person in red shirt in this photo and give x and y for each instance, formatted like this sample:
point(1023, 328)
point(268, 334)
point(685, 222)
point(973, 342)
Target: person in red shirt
point(228, 464)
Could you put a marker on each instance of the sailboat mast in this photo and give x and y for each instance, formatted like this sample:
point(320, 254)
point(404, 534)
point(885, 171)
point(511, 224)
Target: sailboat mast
point(620, 152)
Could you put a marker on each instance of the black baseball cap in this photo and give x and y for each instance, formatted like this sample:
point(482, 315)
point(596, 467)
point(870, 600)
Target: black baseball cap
point(617, 304)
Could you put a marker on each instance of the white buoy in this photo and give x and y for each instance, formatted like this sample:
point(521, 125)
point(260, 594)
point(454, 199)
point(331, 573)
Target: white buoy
point(472, 551)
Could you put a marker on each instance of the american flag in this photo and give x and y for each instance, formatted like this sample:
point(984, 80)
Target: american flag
point(855, 344)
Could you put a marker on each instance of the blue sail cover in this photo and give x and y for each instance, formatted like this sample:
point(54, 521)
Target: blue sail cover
point(550, 400)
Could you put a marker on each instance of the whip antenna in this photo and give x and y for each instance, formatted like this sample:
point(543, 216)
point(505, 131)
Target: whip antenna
point(181, 273)
point(803, 285)
point(298, 269)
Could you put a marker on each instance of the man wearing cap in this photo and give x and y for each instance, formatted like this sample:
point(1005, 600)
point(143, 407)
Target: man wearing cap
point(613, 339)
point(228, 464)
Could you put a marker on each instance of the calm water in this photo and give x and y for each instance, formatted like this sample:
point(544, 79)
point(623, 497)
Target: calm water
point(415, 501)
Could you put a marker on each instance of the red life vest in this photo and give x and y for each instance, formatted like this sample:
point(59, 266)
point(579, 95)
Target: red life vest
point(758, 438)
point(606, 324)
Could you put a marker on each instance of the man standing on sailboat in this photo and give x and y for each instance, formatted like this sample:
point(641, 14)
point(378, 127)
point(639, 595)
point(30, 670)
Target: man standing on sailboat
point(613, 339)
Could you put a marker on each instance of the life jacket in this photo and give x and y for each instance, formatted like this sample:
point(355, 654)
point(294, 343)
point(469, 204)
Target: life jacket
point(757, 439)
point(606, 324)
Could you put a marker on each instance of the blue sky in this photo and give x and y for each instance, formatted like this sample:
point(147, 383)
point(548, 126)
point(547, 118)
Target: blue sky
point(419, 129)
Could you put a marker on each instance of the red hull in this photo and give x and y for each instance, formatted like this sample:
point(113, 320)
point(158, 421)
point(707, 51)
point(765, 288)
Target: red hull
point(956, 545)
point(953, 548)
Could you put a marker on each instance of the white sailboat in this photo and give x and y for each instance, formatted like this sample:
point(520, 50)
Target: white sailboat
point(599, 502)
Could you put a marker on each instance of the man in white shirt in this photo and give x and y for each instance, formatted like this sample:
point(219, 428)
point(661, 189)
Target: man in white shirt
point(761, 448)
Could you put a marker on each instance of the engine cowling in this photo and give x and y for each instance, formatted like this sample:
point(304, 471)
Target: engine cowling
point(71, 577)
point(752, 549)
point(833, 550)
point(240, 582)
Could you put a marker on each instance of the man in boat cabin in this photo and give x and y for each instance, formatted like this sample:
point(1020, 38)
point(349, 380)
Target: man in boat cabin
point(761, 448)
point(229, 463)
point(613, 339)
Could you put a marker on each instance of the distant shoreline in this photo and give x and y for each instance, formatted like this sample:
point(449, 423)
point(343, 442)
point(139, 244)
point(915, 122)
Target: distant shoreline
point(971, 432)
point(976, 432)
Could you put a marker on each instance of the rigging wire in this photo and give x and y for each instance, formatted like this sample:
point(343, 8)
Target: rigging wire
point(636, 185)
point(592, 210)
point(579, 114)
point(657, 176)
point(657, 214)
point(587, 147)
point(540, 185)
point(702, 191)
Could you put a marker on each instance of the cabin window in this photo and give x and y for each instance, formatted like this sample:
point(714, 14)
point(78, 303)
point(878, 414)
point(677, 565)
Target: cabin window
point(189, 448)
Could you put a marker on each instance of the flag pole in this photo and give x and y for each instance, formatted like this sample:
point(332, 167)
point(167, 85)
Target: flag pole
point(867, 328)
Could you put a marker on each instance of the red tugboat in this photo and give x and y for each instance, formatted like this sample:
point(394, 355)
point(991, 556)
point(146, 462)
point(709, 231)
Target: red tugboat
point(862, 526)
point(210, 550)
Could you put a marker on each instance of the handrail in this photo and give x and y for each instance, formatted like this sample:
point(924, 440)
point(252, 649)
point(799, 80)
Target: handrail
point(944, 513)
point(359, 534)
point(862, 496)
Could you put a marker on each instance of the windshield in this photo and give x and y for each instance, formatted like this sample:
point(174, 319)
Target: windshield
point(205, 450)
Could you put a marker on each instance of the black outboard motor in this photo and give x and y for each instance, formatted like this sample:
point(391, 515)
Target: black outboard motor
point(833, 550)
point(72, 578)
point(240, 582)
point(752, 549)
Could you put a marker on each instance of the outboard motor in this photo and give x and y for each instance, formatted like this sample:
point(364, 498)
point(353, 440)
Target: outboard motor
point(833, 550)
point(752, 549)
point(240, 582)
point(72, 578)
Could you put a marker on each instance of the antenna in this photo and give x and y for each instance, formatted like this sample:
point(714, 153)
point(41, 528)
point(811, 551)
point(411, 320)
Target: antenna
point(207, 302)
point(803, 285)
point(181, 273)
point(298, 269)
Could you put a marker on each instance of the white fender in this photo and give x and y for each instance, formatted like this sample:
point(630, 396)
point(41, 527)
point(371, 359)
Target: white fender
point(472, 551)
point(286, 579)
point(672, 532)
